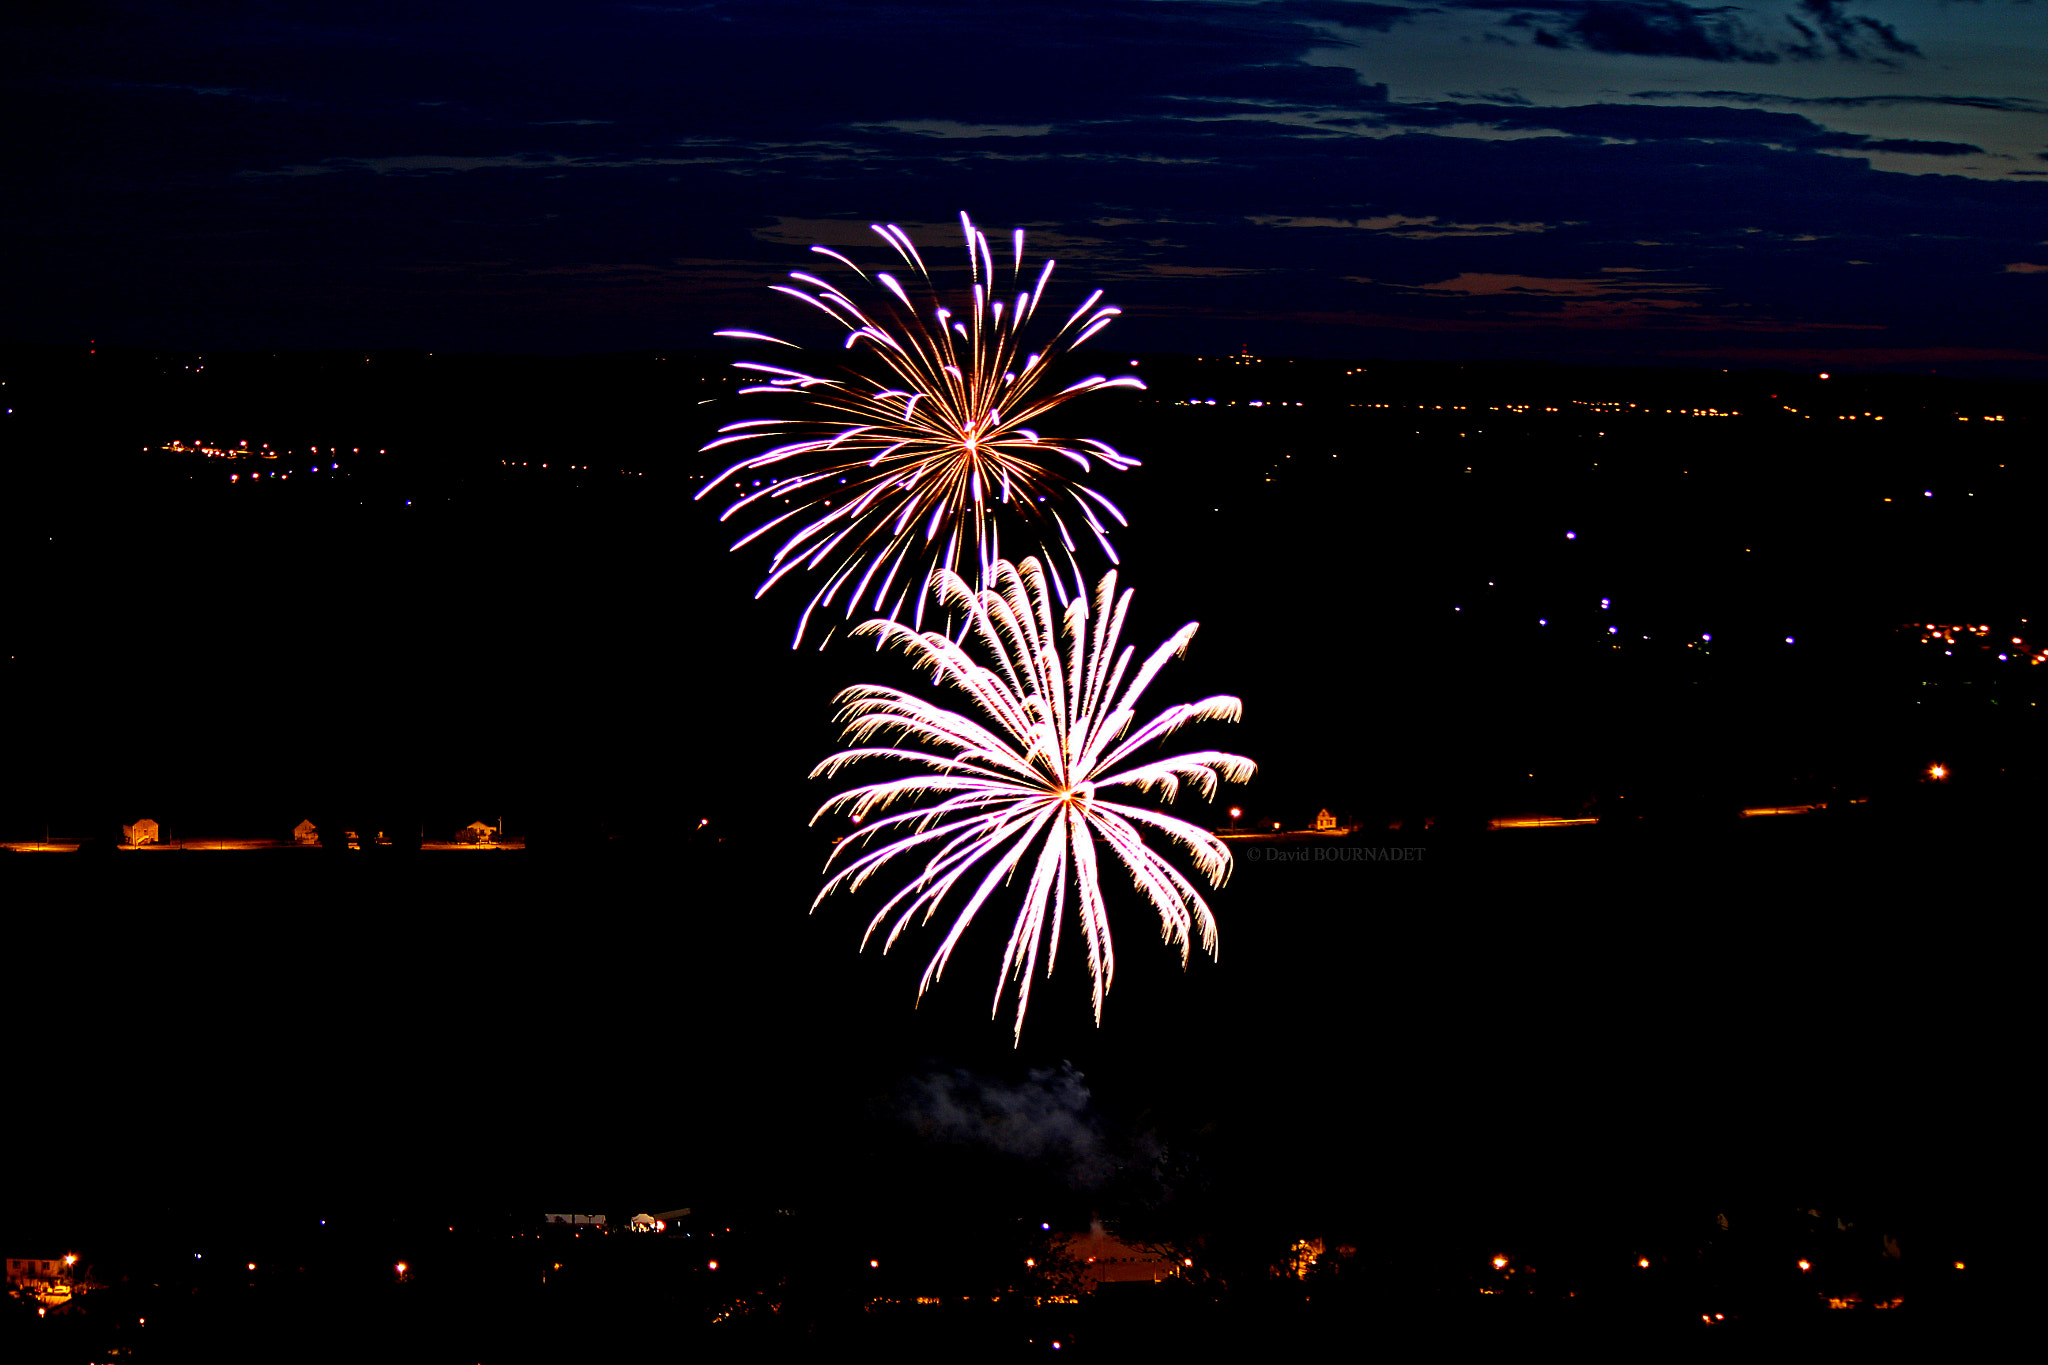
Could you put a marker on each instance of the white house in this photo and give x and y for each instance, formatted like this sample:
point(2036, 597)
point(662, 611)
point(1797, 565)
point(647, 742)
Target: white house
point(31, 1273)
point(1325, 821)
point(140, 833)
point(304, 833)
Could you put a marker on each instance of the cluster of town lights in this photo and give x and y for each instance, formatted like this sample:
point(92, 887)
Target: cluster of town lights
point(1942, 633)
point(1500, 1262)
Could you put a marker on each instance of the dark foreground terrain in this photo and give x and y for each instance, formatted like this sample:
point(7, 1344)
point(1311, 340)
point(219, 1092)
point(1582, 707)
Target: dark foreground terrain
point(1717, 1046)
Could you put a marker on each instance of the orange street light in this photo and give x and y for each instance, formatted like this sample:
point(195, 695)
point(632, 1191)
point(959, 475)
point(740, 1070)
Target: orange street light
point(1500, 1263)
point(1644, 1262)
point(1805, 1265)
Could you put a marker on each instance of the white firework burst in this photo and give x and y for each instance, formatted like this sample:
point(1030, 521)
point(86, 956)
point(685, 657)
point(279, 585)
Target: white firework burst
point(908, 459)
point(1030, 780)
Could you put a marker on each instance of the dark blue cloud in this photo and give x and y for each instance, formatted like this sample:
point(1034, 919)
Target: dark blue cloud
point(1813, 29)
point(1849, 35)
point(524, 177)
point(1663, 122)
point(1666, 28)
point(1997, 103)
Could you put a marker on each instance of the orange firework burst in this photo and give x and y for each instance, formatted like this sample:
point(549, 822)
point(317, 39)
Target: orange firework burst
point(908, 460)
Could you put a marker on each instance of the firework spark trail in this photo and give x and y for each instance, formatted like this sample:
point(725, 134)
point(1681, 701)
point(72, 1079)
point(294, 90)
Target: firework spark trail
point(902, 465)
point(1030, 775)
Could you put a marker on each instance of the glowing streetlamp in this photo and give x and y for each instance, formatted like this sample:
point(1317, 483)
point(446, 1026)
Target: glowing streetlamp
point(1235, 813)
point(1937, 772)
point(1804, 1265)
point(1500, 1263)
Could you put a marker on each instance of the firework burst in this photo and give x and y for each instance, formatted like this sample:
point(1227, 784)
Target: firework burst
point(906, 461)
point(1030, 781)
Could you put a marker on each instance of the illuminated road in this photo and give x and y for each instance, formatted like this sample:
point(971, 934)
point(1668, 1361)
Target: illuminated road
point(240, 845)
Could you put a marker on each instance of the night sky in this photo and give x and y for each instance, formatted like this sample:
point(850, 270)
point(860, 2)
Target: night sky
point(1790, 1013)
point(1818, 183)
